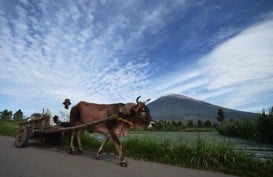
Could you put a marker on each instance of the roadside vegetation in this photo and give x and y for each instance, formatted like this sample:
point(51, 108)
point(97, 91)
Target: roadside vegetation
point(8, 121)
point(259, 129)
point(201, 154)
point(185, 126)
point(8, 128)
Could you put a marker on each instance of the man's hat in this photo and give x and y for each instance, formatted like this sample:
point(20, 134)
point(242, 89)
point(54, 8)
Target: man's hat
point(67, 100)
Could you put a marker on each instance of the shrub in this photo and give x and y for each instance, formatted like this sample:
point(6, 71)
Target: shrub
point(201, 154)
point(8, 128)
point(259, 129)
point(265, 127)
point(240, 128)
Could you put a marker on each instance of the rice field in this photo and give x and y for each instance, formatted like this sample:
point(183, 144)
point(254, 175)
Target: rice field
point(203, 150)
point(261, 151)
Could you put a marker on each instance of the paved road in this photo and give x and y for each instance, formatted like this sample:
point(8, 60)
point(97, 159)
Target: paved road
point(38, 160)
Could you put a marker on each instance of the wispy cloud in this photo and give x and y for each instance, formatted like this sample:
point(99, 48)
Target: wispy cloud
point(113, 51)
point(243, 59)
point(53, 56)
point(235, 74)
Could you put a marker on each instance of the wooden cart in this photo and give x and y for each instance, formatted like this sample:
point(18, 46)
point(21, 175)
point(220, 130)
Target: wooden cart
point(41, 129)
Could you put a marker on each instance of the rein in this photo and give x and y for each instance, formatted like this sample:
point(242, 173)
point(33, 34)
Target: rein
point(126, 121)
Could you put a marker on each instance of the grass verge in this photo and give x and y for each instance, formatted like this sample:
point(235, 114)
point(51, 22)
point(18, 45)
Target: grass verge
point(201, 154)
point(8, 128)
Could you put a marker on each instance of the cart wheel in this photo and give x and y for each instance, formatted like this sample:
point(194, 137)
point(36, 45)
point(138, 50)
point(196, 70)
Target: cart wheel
point(21, 138)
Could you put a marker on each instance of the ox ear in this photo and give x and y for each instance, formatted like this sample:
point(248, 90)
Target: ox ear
point(126, 109)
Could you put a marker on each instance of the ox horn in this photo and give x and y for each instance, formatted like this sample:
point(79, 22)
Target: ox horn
point(137, 99)
point(145, 102)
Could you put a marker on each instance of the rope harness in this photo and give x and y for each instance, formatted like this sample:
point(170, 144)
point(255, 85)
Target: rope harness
point(126, 121)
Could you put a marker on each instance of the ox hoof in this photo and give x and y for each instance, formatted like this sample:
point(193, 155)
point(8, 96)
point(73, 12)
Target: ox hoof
point(123, 163)
point(79, 152)
point(72, 151)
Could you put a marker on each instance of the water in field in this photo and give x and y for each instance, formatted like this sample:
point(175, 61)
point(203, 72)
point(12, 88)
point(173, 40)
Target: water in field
point(262, 151)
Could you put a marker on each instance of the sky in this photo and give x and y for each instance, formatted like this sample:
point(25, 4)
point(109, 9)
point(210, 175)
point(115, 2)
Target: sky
point(104, 51)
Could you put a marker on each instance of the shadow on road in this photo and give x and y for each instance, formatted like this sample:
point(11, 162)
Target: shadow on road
point(108, 157)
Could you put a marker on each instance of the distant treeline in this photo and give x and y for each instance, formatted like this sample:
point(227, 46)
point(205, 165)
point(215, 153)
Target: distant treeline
point(163, 125)
point(8, 116)
point(259, 129)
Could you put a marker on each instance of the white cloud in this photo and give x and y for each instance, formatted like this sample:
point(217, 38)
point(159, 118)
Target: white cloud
point(245, 57)
point(237, 74)
point(51, 50)
point(44, 61)
point(222, 35)
point(176, 79)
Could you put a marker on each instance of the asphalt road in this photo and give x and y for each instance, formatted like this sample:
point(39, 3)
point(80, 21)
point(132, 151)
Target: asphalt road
point(39, 160)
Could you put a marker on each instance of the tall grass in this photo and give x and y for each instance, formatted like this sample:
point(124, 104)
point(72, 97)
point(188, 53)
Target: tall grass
point(239, 128)
point(259, 129)
point(201, 154)
point(265, 128)
point(8, 128)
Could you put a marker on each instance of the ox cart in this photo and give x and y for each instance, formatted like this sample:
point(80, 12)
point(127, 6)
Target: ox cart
point(40, 128)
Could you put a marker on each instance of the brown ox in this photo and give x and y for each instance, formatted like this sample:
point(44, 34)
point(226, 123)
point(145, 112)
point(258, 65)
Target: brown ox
point(126, 116)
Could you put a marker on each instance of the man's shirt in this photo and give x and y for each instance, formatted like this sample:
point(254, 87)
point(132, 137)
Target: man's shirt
point(64, 115)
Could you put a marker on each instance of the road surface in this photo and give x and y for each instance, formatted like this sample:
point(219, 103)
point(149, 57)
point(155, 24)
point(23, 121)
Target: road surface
point(39, 160)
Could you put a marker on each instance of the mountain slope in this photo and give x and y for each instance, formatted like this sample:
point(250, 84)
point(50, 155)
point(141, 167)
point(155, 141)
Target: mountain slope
point(179, 107)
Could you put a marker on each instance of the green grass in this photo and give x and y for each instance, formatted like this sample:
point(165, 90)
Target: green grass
point(201, 154)
point(199, 129)
point(259, 129)
point(8, 128)
point(239, 128)
point(209, 155)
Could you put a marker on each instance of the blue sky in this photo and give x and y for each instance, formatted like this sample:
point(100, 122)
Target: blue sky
point(113, 51)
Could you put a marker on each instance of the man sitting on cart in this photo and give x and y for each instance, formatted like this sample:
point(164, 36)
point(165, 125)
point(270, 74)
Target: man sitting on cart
point(64, 114)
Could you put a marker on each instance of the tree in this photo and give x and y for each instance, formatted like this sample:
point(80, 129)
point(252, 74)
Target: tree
point(199, 123)
point(6, 115)
point(190, 124)
point(270, 111)
point(174, 124)
point(263, 112)
point(265, 126)
point(18, 115)
point(180, 124)
point(221, 115)
point(207, 123)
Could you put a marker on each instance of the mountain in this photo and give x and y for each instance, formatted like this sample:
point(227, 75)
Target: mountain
point(180, 107)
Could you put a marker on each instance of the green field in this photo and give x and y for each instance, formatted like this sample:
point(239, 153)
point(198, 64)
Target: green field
point(261, 151)
point(8, 128)
point(206, 150)
point(201, 150)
